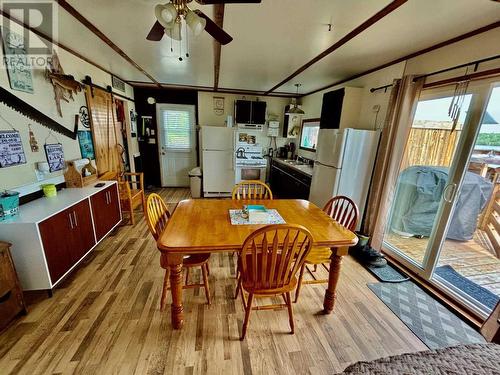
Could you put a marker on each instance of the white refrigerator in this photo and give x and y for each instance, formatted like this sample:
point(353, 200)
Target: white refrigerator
point(217, 160)
point(344, 165)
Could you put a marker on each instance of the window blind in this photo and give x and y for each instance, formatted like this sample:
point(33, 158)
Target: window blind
point(177, 130)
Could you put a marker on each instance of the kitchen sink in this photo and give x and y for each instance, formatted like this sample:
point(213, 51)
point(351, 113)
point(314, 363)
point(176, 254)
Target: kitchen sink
point(294, 162)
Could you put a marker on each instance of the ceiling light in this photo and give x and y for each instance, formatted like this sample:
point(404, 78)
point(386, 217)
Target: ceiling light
point(174, 32)
point(195, 22)
point(166, 15)
point(294, 108)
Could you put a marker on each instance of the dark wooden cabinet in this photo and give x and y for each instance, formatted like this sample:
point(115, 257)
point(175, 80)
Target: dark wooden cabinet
point(11, 295)
point(287, 183)
point(331, 109)
point(66, 237)
point(105, 210)
point(250, 112)
point(56, 233)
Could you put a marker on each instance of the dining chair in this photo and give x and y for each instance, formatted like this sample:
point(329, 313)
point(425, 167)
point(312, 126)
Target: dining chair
point(157, 218)
point(343, 210)
point(131, 188)
point(252, 189)
point(269, 261)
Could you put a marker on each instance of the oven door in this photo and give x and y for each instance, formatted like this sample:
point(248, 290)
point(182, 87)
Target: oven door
point(246, 173)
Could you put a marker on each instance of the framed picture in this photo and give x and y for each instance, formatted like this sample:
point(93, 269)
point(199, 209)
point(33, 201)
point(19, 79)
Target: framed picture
point(86, 144)
point(16, 60)
point(11, 149)
point(55, 156)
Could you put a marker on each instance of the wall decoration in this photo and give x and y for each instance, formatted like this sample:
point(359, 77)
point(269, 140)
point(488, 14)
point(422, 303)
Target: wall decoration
point(33, 141)
point(219, 105)
point(64, 85)
point(55, 156)
point(34, 114)
point(84, 116)
point(16, 60)
point(86, 144)
point(11, 149)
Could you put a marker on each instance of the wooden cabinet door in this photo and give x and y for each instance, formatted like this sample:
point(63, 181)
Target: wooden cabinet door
point(56, 234)
point(82, 236)
point(105, 210)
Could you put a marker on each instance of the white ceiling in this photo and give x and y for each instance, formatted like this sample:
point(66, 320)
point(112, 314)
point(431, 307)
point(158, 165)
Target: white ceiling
point(271, 39)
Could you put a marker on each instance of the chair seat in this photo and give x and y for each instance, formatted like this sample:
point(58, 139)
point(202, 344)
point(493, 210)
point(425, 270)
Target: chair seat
point(249, 287)
point(190, 260)
point(319, 255)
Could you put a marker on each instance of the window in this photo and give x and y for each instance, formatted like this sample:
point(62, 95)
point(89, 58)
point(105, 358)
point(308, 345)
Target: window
point(309, 134)
point(177, 130)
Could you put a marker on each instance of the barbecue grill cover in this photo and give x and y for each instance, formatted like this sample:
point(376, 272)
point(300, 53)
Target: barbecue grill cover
point(417, 199)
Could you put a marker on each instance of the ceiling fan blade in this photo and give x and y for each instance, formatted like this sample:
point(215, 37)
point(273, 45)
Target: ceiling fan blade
point(211, 27)
point(156, 32)
point(210, 2)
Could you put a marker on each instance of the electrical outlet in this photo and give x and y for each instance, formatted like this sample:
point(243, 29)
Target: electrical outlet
point(40, 176)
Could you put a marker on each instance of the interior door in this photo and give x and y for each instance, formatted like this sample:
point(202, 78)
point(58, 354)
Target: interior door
point(177, 143)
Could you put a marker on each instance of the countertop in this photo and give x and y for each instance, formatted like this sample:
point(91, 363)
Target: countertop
point(43, 208)
point(305, 168)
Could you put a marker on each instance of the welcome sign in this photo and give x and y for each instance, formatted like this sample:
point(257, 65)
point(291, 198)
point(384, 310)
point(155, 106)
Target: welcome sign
point(11, 149)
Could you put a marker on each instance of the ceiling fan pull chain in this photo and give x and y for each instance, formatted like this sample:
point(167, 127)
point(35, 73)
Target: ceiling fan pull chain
point(171, 45)
point(180, 50)
point(187, 42)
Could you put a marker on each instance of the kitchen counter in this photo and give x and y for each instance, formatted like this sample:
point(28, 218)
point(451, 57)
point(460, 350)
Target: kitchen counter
point(303, 168)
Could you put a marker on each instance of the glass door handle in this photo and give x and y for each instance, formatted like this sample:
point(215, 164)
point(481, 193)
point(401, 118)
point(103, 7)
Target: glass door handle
point(449, 192)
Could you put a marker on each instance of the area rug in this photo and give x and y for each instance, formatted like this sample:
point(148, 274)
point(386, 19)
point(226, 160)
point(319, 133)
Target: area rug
point(432, 322)
point(387, 274)
point(467, 286)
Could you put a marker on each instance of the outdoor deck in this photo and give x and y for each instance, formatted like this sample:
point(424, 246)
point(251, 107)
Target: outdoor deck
point(471, 259)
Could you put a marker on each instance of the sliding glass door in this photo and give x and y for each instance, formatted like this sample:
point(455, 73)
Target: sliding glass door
point(442, 193)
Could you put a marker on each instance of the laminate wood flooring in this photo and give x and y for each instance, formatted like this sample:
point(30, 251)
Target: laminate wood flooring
point(105, 319)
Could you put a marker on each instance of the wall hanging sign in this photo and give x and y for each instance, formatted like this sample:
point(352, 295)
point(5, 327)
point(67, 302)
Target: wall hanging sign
point(86, 144)
point(33, 141)
point(55, 156)
point(16, 60)
point(219, 105)
point(11, 149)
point(83, 114)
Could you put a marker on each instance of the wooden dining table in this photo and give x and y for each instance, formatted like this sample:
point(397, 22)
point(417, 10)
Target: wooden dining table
point(204, 226)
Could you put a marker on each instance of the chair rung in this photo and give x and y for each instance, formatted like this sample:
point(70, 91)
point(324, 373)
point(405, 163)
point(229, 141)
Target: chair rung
point(191, 286)
point(270, 307)
point(324, 281)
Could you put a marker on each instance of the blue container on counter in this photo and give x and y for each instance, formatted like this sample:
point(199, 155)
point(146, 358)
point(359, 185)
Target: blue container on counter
point(9, 204)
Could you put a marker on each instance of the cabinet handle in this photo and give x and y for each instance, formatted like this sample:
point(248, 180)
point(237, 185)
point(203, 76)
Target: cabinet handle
point(70, 221)
point(107, 197)
point(6, 296)
point(76, 221)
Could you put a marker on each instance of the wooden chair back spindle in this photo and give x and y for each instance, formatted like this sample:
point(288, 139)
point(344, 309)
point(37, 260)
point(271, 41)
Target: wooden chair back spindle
point(157, 214)
point(343, 210)
point(252, 189)
point(272, 256)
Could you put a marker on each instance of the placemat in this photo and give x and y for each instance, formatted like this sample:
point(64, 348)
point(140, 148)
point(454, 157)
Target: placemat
point(273, 217)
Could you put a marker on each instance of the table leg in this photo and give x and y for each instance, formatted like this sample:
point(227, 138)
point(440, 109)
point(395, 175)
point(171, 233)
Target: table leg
point(333, 279)
point(177, 309)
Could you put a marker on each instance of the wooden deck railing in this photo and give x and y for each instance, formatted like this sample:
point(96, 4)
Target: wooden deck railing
point(490, 221)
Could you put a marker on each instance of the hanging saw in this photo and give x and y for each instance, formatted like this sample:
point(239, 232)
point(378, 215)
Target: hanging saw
point(18, 105)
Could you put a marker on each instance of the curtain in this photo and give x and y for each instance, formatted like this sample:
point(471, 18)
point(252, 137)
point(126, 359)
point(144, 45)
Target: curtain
point(401, 109)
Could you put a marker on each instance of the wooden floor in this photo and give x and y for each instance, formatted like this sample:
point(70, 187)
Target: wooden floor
point(471, 259)
point(105, 319)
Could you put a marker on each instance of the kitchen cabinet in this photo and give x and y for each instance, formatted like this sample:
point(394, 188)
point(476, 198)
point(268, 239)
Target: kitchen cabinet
point(67, 237)
point(106, 211)
point(340, 108)
point(288, 183)
point(250, 112)
point(50, 236)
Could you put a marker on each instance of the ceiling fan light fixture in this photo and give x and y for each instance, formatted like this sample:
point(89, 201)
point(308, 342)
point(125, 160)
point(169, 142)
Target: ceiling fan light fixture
point(195, 22)
point(174, 32)
point(166, 15)
point(294, 108)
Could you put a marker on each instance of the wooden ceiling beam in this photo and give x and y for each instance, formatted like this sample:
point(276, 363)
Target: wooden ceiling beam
point(352, 34)
point(445, 43)
point(219, 20)
point(85, 22)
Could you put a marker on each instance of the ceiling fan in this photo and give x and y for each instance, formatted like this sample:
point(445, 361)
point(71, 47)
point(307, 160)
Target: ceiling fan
point(169, 17)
